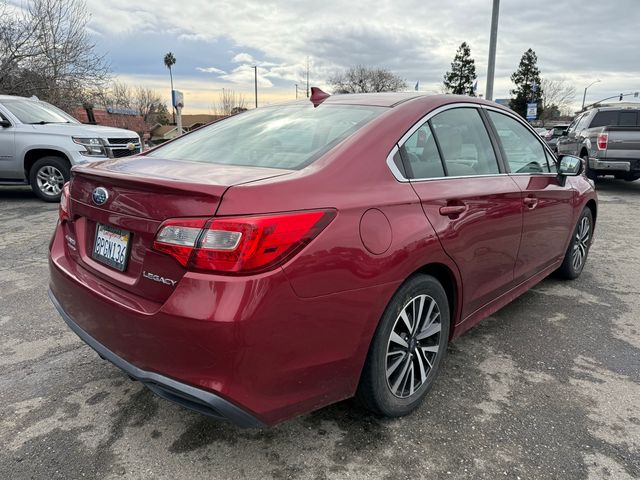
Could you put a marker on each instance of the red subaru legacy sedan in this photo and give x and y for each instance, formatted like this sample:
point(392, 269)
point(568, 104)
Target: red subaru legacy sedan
point(296, 255)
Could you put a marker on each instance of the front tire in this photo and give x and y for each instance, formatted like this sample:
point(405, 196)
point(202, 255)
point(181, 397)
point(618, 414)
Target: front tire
point(576, 254)
point(408, 348)
point(47, 177)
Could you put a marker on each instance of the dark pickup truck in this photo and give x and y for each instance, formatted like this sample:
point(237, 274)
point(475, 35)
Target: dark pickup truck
point(608, 139)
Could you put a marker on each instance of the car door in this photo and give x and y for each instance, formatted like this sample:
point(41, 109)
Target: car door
point(569, 142)
point(547, 200)
point(7, 151)
point(475, 209)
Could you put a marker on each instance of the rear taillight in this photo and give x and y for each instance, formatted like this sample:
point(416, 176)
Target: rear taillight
point(240, 245)
point(603, 140)
point(63, 211)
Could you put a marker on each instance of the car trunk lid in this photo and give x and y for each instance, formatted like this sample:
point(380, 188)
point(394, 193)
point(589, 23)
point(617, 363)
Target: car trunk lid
point(141, 194)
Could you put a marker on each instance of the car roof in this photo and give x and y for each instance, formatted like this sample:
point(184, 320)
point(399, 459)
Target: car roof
point(394, 99)
point(14, 97)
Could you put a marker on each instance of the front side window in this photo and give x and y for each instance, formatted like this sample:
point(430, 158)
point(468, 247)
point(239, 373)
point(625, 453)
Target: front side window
point(524, 153)
point(464, 143)
point(289, 137)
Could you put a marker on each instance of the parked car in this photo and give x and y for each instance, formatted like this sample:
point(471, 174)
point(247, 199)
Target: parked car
point(39, 144)
point(541, 131)
point(296, 255)
point(553, 134)
point(608, 139)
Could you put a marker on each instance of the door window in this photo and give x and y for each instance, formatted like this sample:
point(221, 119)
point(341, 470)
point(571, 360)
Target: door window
point(464, 143)
point(523, 152)
point(421, 154)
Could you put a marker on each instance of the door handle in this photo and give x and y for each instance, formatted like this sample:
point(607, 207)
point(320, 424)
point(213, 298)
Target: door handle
point(451, 210)
point(530, 202)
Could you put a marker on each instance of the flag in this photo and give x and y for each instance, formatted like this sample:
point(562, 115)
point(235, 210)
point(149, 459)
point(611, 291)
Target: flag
point(417, 85)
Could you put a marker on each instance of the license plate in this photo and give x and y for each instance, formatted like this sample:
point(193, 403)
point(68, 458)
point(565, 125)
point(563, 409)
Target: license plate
point(111, 246)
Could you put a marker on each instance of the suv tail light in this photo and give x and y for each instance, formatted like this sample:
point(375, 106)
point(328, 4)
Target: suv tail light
point(239, 245)
point(603, 140)
point(63, 211)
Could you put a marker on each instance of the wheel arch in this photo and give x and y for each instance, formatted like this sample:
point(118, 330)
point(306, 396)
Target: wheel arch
point(591, 205)
point(35, 154)
point(449, 281)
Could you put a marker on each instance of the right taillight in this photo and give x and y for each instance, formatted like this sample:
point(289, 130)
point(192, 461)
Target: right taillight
point(63, 211)
point(603, 140)
point(240, 245)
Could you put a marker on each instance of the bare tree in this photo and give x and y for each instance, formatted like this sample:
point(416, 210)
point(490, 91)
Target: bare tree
point(147, 101)
point(363, 79)
point(46, 51)
point(229, 102)
point(557, 97)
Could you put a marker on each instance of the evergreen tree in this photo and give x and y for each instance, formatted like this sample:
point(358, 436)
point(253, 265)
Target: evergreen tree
point(525, 77)
point(460, 79)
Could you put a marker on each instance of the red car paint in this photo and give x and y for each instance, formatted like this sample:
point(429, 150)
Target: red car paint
point(292, 339)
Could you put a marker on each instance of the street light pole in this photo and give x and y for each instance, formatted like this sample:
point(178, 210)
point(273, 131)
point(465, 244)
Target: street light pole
point(296, 91)
point(256, 83)
point(491, 67)
point(584, 96)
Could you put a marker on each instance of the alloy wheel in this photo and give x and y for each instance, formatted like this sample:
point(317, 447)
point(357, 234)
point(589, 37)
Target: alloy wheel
point(413, 346)
point(50, 180)
point(581, 243)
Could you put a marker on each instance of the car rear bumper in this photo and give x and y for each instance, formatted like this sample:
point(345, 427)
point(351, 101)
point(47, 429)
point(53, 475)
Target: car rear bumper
point(615, 165)
point(185, 395)
point(250, 341)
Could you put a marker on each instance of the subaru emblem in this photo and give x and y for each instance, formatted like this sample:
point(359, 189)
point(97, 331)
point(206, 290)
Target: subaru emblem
point(100, 196)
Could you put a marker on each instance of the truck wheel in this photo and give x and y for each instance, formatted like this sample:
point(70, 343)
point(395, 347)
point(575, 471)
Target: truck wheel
point(590, 173)
point(576, 255)
point(47, 177)
point(407, 350)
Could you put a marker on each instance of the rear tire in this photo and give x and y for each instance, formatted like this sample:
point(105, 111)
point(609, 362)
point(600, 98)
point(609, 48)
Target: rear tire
point(47, 177)
point(578, 250)
point(405, 355)
point(588, 172)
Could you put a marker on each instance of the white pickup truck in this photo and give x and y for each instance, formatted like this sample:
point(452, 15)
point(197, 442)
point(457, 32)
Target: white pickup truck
point(39, 144)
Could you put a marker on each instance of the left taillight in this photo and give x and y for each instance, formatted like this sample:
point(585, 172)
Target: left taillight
point(63, 211)
point(240, 245)
point(603, 141)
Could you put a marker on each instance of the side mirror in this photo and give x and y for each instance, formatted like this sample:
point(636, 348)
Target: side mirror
point(570, 166)
point(4, 123)
point(564, 133)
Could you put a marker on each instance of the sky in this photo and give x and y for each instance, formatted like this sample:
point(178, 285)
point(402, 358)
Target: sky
point(217, 42)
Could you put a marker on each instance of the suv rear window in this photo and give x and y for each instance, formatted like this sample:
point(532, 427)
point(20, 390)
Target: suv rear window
point(289, 137)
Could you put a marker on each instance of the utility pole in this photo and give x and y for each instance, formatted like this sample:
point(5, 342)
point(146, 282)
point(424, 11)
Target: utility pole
point(256, 83)
point(296, 91)
point(491, 68)
point(307, 77)
point(584, 96)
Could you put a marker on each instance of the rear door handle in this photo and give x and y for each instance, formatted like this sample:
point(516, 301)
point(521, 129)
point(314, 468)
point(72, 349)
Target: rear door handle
point(530, 202)
point(453, 210)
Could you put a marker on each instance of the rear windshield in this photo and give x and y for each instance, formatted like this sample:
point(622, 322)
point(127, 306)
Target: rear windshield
point(288, 137)
point(615, 118)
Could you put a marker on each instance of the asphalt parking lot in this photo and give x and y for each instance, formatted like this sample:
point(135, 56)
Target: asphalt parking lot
point(547, 388)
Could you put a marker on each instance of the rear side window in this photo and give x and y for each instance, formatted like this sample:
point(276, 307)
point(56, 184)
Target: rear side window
point(523, 151)
point(289, 137)
point(421, 154)
point(464, 143)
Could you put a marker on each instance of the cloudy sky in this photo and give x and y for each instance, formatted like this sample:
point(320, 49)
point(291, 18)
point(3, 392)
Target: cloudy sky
point(217, 42)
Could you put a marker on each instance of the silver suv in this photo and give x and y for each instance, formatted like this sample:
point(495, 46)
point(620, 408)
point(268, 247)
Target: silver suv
point(39, 144)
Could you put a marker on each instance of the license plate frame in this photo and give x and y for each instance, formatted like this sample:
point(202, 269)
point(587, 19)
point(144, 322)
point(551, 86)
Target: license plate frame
point(98, 254)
